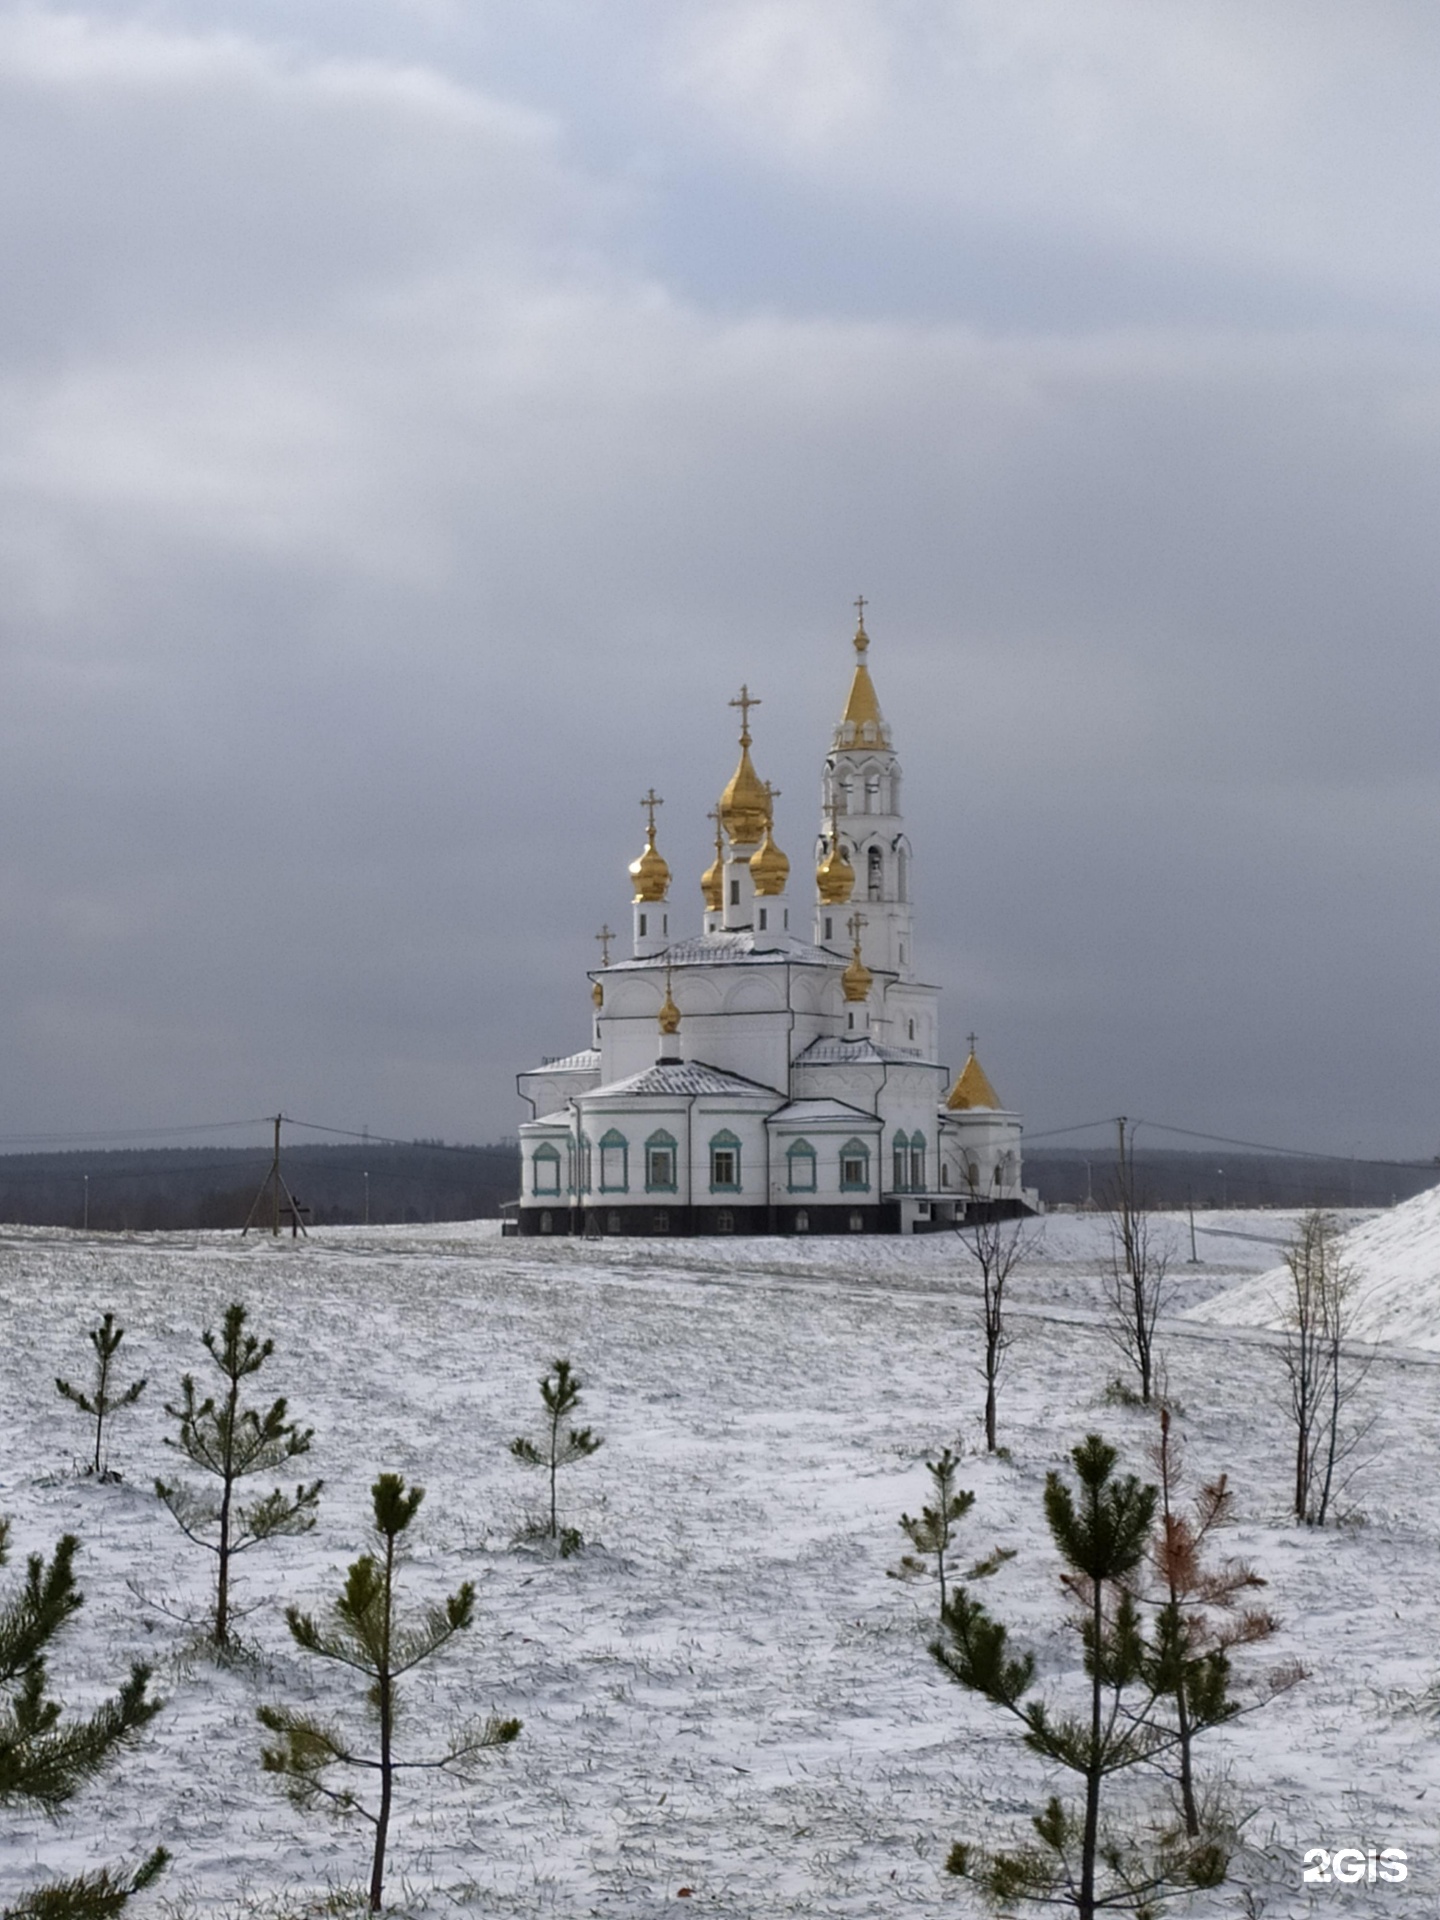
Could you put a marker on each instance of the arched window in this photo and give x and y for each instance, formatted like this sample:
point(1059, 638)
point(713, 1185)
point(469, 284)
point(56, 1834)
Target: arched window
point(902, 1162)
point(614, 1163)
point(660, 1162)
point(917, 1162)
point(725, 1163)
point(802, 1220)
point(724, 1221)
point(545, 1170)
point(875, 872)
point(547, 1221)
point(854, 1167)
point(800, 1159)
point(902, 875)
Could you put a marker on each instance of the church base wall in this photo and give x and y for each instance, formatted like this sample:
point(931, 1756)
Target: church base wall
point(668, 1223)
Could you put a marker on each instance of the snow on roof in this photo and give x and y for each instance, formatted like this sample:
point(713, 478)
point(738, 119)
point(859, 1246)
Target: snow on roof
point(681, 1076)
point(812, 1113)
point(586, 1061)
point(722, 949)
point(1395, 1256)
point(849, 1052)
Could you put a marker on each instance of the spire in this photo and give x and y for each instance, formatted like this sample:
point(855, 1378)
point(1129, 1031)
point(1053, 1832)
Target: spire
point(972, 1087)
point(769, 868)
point(744, 808)
point(862, 708)
point(649, 872)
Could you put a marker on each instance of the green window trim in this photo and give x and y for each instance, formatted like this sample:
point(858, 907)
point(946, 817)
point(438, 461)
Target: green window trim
point(854, 1167)
point(612, 1144)
point(725, 1176)
point(547, 1157)
point(660, 1152)
point(800, 1163)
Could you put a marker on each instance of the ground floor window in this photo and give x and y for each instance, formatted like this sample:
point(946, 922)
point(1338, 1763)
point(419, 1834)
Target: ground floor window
point(660, 1222)
point(547, 1221)
point(612, 1222)
point(857, 1223)
point(725, 1221)
point(802, 1220)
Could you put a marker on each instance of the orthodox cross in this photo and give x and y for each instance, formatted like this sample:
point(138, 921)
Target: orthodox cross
point(855, 923)
point(772, 794)
point(605, 936)
point(860, 605)
point(650, 802)
point(745, 702)
point(714, 814)
point(973, 1040)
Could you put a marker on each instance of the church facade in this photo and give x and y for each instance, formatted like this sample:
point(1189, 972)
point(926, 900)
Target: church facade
point(751, 1077)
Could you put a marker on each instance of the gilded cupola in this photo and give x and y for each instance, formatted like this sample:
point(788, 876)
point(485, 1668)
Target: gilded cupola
point(862, 723)
point(669, 1012)
point(857, 979)
point(972, 1087)
point(712, 881)
point(650, 873)
point(769, 868)
point(834, 877)
point(745, 804)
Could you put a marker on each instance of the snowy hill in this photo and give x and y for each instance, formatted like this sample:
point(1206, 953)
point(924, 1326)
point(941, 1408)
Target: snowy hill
point(1396, 1257)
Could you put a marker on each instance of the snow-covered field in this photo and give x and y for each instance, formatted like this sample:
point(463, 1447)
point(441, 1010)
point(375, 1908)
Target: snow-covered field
point(724, 1693)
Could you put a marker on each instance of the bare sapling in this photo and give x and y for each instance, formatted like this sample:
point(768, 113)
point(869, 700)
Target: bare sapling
point(362, 1632)
point(1136, 1277)
point(232, 1443)
point(100, 1403)
point(1322, 1372)
point(561, 1445)
point(997, 1247)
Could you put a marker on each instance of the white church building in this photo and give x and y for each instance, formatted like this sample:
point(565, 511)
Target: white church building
point(747, 1079)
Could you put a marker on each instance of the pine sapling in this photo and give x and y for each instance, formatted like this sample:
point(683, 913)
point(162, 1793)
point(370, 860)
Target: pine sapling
point(1102, 1529)
point(100, 1403)
point(933, 1533)
point(363, 1633)
point(232, 1443)
point(45, 1759)
point(562, 1445)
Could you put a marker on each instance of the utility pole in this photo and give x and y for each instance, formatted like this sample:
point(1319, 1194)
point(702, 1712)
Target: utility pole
point(86, 1179)
point(274, 1185)
point(367, 1198)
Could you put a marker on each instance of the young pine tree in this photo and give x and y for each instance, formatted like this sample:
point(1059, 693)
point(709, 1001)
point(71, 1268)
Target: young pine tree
point(46, 1759)
point(932, 1535)
point(100, 1403)
point(562, 1445)
point(1102, 1529)
point(232, 1443)
point(363, 1633)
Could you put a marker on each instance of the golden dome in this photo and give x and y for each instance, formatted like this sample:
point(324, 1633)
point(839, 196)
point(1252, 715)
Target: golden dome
point(745, 803)
point(649, 872)
point(597, 994)
point(712, 881)
point(856, 980)
point(972, 1088)
point(834, 877)
point(669, 1012)
point(769, 868)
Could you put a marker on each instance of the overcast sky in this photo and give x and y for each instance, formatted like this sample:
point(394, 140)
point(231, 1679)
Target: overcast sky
point(417, 419)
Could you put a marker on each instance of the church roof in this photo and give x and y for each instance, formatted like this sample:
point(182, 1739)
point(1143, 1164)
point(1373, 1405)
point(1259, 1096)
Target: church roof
point(973, 1089)
point(681, 1076)
point(586, 1061)
point(814, 1113)
point(735, 948)
point(850, 1052)
point(862, 721)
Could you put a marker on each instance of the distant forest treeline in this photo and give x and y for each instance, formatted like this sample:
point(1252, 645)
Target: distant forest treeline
point(152, 1189)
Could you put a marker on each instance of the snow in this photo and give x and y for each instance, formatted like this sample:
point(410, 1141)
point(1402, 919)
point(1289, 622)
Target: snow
point(724, 1691)
point(1395, 1258)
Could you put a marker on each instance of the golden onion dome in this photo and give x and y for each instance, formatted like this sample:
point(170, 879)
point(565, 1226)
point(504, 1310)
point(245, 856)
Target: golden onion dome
point(669, 1012)
point(857, 978)
point(834, 877)
point(769, 869)
point(712, 881)
point(745, 803)
point(650, 873)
